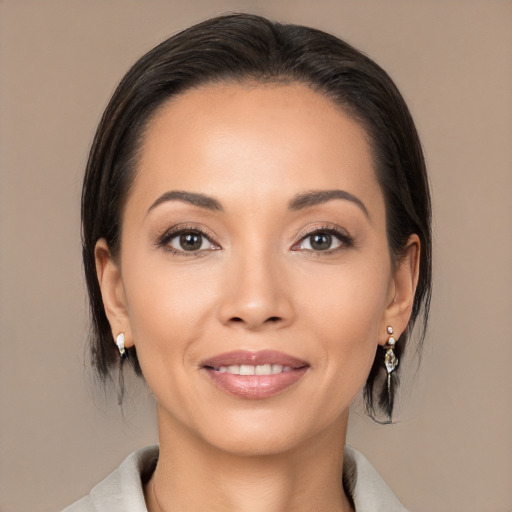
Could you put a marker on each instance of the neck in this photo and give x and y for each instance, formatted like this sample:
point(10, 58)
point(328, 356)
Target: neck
point(192, 475)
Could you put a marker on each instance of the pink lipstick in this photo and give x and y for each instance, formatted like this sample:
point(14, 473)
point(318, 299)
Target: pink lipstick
point(254, 375)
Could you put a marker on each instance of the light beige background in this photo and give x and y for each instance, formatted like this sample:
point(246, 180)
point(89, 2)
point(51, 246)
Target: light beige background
point(451, 450)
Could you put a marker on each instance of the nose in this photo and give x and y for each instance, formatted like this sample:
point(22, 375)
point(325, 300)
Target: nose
point(256, 295)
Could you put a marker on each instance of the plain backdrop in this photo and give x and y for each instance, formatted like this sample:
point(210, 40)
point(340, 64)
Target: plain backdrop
point(451, 448)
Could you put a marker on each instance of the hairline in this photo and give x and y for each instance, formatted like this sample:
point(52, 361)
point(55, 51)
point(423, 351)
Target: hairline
point(248, 81)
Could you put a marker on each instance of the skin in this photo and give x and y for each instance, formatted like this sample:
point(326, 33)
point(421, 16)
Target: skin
point(256, 283)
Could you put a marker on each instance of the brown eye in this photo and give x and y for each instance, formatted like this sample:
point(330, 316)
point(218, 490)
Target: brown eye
point(188, 241)
point(320, 241)
point(191, 241)
point(328, 240)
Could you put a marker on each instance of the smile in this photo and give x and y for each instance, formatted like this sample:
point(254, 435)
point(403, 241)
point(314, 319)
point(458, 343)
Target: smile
point(254, 375)
point(261, 369)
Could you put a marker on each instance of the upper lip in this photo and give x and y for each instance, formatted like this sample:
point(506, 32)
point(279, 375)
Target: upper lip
point(260, 357)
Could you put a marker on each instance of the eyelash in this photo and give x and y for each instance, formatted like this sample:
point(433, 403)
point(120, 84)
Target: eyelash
point(163, 241)
point(343, 237)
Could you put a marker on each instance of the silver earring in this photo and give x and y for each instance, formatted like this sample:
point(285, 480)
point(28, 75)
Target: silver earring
point(120, 345)
point(390, 359)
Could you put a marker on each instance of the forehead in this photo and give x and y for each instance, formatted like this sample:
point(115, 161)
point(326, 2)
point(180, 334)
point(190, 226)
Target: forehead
point(253, 140)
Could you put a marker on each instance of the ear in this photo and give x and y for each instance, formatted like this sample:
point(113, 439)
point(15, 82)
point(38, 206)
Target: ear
point(112, 292)
point(402, 291)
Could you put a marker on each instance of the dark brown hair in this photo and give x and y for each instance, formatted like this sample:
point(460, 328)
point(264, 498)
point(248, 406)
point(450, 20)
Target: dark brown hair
point(241, 48)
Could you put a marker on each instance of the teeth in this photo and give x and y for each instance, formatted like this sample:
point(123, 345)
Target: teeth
point(263, 369)
point(248, 369)
point(277, 368)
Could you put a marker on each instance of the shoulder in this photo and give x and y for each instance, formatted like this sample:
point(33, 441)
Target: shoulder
point(368, 490)
point(82, 505)
point(123, 489)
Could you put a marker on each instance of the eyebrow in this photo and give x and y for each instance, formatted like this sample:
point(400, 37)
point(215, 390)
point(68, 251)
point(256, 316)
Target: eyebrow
point(316, 197)
point(201, 200)
point(299, 202)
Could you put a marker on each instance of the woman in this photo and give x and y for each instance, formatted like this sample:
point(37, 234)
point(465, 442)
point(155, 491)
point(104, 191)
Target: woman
point(256, 241)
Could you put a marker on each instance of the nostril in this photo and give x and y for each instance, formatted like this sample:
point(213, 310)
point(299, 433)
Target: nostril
point(271, 319)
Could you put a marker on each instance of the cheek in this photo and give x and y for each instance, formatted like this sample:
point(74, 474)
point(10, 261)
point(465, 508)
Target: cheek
point(346, 318)
point(166, 308)
point(349, 299)
point(168, 312)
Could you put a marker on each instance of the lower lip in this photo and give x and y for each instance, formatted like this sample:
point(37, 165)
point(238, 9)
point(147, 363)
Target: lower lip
point(255, 386)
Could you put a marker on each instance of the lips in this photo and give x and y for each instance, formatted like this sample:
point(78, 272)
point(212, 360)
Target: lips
point(254, 375)
point(249, 369)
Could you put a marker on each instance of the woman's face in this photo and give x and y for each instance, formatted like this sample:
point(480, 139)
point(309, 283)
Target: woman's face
point(253, 242)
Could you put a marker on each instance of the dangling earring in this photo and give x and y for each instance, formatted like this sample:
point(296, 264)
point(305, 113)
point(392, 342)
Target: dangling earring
point(120, 345)
point(390, 360)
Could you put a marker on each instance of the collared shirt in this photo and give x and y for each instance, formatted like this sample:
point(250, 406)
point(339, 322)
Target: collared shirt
point(122, 490)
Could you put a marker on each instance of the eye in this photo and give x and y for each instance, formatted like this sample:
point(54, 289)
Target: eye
point(320, 242)
point(187, 241)
point(326, 240)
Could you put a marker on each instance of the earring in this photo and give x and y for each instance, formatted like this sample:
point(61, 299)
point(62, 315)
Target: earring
point(390, 359)
point(120, 345)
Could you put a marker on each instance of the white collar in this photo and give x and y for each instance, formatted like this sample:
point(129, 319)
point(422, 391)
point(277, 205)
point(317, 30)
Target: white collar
point(122, 490)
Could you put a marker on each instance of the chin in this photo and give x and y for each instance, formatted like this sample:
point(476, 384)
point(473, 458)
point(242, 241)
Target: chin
point(269, 433)
point(253, 442)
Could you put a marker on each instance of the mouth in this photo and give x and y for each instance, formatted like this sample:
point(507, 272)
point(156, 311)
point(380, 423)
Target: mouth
point(254, 375)
point(260, 369)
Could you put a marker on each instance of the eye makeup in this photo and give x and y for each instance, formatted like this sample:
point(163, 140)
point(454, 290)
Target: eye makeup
point(322, 238)
point(194, 241)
